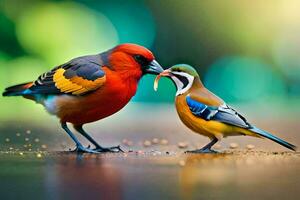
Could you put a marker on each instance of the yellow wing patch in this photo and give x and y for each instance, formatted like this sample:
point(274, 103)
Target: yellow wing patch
point(75, 85)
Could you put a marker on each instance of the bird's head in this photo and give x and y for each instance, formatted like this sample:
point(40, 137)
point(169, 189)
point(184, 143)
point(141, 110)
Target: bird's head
point(182, 75)
point(133, 60)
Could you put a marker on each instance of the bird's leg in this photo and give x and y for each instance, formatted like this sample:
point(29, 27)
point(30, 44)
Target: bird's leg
point(79, 147)
point(98, 148)
point(206, 148)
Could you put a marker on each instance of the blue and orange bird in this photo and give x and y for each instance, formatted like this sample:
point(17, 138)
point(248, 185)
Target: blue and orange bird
point(207, 114)
point(90, 88)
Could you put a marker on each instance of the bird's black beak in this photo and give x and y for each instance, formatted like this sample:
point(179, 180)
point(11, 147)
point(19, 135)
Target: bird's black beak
point(154, 68)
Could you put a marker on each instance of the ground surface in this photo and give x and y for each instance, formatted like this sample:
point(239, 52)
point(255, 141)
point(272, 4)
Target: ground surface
point(35, 162)
point(150, 175)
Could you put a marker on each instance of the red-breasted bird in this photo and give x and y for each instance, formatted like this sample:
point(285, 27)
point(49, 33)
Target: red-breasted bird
point(90, 88)
point(207, 114)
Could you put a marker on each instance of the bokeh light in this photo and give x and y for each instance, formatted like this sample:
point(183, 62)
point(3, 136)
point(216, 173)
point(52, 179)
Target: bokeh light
point(285, 53)
point(15, 71)
point(244, 79)
point(264, 64)
point(60, 31)
point(132, 19)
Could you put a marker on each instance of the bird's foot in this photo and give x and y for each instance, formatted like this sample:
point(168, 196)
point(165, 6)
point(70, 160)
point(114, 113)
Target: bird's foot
point(115, 149)
point(82, 149)
point(202, 151)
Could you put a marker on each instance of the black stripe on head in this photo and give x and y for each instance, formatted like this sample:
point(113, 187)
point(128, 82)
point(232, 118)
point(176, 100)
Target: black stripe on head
point(184, 80)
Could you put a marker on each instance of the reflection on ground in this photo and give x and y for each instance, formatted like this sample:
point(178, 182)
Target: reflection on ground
point(155, 175)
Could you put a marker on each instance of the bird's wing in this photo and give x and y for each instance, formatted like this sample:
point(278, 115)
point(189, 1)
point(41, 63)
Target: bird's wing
point(77, 77)
point(221, 113)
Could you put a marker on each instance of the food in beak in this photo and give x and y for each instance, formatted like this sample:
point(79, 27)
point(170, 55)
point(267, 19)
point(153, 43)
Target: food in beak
point(155, 86)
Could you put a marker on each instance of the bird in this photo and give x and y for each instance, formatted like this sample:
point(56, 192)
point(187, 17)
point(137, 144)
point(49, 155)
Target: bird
point(207, 114)
point(89, 88)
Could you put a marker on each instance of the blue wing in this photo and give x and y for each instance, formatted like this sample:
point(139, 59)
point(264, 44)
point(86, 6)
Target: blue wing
point(222, 113)
point(228, 115)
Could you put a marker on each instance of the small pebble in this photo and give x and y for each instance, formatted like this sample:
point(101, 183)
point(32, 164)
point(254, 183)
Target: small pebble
point(18, 134)
point(182, 163)
point(25, 145)
point(233, 145)
point(182, 145)
point(28, 131)
point(11, 148)
point(129, 143)
point(39, 155)
point(44, 146)
point(147, 143)
point(164, 142)
point(155, 140)
point(7, 140)
point(37, 140)
point(21, 153)
point(26, 139)
point(250, 146)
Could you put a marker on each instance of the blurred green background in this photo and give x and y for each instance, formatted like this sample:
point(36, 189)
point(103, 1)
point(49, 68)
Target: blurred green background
point(247, 52)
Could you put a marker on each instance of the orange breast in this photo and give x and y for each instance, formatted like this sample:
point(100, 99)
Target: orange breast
point(101, 103)
point(196, 124)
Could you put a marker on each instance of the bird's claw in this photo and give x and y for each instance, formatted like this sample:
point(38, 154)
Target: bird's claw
point(202, 151)
point(81, 149)
point(115, 149)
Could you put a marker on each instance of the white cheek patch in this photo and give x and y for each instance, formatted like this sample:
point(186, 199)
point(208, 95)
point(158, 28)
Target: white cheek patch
point(178, 83)
point(180, 86)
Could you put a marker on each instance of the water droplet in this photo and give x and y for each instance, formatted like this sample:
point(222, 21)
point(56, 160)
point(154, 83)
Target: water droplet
point(147, 143)
point(233, 145)
point(250, 146)
point(182, 145)
point(164, 142)
point(155, 140)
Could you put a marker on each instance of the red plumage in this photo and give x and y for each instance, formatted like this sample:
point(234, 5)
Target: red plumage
point(110, 98)
point(90, 88)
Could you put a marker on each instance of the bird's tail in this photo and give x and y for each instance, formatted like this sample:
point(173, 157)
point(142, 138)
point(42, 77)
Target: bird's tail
point(17, 90)
point(273, 138)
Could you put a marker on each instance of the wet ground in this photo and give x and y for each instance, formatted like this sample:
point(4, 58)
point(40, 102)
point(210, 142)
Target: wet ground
point(150, 175)
point(35, 162)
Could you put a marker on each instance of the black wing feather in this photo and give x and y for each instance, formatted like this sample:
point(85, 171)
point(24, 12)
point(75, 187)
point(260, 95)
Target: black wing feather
point(87, 67)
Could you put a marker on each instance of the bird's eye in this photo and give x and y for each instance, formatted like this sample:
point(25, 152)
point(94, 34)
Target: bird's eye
point(141, 60)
